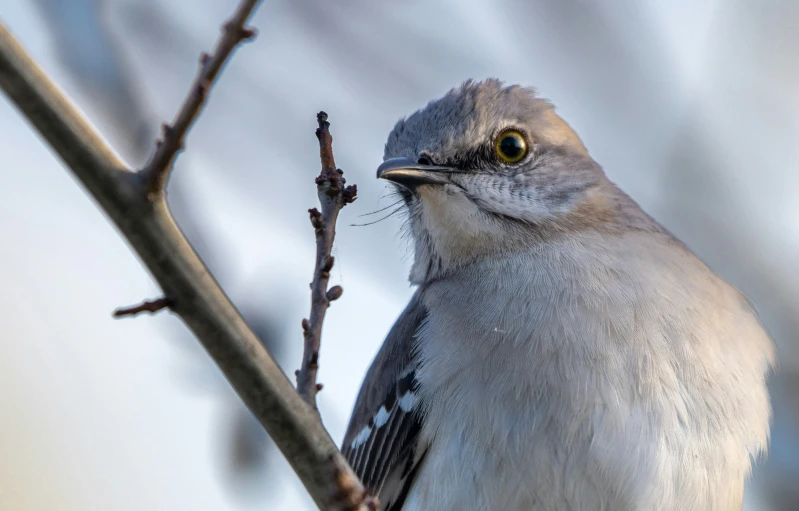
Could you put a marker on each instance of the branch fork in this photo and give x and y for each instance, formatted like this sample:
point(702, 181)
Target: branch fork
point(156, 173)
point(136, 204)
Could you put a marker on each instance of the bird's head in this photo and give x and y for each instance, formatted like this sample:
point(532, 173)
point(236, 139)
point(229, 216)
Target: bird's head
point(488, 170)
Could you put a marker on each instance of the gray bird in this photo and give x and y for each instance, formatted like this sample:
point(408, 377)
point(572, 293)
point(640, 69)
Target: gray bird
point(562, 351)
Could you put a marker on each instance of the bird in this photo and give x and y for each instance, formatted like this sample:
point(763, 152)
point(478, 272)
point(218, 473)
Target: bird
point(562, 350)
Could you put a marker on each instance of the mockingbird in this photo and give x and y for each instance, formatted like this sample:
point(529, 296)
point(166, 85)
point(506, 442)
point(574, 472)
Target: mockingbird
point(562, 350)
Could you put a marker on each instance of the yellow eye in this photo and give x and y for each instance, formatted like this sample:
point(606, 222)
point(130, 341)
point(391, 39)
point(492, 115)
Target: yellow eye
point(511, 146)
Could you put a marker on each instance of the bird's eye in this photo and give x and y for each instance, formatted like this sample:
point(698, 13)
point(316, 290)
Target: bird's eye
point(511, 146)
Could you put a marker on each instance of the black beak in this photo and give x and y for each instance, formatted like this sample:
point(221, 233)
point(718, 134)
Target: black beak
point(410, 174)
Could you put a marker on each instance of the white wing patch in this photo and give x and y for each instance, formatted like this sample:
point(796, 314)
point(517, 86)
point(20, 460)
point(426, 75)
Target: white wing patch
point(362, 437)
point(402, 397)
point(382, 417)
point(407, 401)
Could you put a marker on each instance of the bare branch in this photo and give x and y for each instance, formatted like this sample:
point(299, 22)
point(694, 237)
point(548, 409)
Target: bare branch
point(333, 196)
point(145, 221)
point(233, 33)
point(151, 306)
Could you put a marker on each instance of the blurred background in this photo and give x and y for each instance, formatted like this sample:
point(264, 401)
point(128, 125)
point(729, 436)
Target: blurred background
point(692, 106)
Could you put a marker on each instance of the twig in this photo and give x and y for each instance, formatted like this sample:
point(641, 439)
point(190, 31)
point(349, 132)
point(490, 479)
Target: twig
point(333, 196)
point(146, 223)
point(233, 33)
point(151, 306)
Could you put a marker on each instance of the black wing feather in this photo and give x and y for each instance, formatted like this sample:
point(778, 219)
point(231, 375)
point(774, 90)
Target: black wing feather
point(382, 441)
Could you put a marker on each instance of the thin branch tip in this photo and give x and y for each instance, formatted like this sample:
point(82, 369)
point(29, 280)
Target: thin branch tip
point(333, 196)
point(160, 166)
point(149, 306)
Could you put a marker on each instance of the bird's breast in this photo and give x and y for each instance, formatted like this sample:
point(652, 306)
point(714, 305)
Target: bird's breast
point(564, 379)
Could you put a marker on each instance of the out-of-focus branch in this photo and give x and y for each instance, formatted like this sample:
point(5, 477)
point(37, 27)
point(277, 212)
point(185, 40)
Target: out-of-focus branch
point(333, 196)
point(233, 32)
point(144, 220)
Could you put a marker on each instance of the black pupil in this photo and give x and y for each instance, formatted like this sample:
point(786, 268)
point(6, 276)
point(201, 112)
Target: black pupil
point(511, 147)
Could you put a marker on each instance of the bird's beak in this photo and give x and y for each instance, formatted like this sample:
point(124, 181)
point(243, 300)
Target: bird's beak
point(410, 174)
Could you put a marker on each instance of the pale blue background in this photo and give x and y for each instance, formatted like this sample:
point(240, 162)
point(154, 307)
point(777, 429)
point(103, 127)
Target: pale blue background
point(692, 106)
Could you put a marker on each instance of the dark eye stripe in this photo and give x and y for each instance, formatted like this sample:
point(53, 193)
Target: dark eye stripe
point(485, 156)
point(473, 159)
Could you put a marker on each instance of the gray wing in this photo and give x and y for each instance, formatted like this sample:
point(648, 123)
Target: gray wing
point(381, 443)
